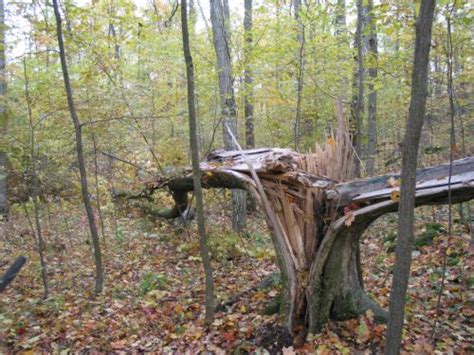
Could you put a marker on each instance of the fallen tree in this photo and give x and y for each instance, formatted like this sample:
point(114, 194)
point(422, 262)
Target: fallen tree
point(11, 273)
point(317, 219)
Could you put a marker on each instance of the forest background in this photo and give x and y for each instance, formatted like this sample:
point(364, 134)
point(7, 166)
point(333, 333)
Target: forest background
point(128, 74)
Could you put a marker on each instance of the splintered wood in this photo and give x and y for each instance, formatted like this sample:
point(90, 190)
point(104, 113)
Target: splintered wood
point(294, 185)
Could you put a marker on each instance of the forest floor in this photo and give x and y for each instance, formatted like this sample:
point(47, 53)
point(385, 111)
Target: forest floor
point(153, 296)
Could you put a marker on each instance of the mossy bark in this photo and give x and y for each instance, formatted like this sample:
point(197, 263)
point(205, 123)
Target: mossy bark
point(337, 293)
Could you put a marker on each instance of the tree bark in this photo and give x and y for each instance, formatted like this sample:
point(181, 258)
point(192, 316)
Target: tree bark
point(36, 189)
point(112, 32)
point(341, 26)
point(11, 273)
point(221, 38)
point(357, 106)
point(410, 146)
point(300, 69)
point(248, 90)
point(99, 278)
point(193, 139)
point(248, 79)
point(4, 207)
point(372, 92)
point(97, 192)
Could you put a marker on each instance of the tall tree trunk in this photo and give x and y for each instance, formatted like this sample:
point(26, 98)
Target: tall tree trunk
point(248, 90)
point(341, 25)
point(410, 146)
point(4, 207)
point(221, 39)
point(97, 193)
point(372, 95)
point(193, 140)
point(248, 79)
point(36, 189)
point(112, 32)
point(99, 278)
point(3, 114)
point(300, 70)
point(357, 106)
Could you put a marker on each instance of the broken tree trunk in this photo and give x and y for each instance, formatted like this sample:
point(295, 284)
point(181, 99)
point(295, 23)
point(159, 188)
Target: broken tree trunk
point(317, 220)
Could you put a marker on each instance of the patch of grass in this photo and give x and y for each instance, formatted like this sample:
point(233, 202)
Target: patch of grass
point(431, 230)
point(120, 235)
point(390, 240)
point(454, 258)
point(226, 246)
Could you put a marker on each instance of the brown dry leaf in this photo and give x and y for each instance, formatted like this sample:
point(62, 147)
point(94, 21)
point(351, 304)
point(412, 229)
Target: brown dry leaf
point(288, 351)
point(323, 350)
point(229, 336)
point(331, 141)
point(349, 218)
point(119, 344)
point(370, 315)
point(178, 308)
point(423, 347)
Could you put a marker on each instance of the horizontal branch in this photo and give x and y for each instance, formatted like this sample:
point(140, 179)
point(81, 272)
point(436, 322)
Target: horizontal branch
point(228, 169)
point(431, 185)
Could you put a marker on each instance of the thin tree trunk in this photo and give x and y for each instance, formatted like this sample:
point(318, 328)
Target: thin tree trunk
point(248, 90)
point(67, 229)
point(300, 80)
point(221, 38)
point(248, 79)
point(193, 139)
point(116, 45)
point(113, 33)
point(372, 93)
point(37, 230)
point(110, 179)
point(357, 106)
point(410, 146)
point(341, 26)
point(99, 278)
point(97, 193)
point(3, 114)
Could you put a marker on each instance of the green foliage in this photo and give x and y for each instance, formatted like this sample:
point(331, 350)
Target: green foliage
point(120, 235)
point(226, 245)
point(390, 240)
point(151, 281)
point(430, 231)
point(434, 149)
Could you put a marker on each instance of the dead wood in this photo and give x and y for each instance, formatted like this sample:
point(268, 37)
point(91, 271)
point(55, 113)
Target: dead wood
point(317, 218)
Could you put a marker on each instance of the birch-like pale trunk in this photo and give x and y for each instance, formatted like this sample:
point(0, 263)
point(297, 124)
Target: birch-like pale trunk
point(248, 78)
point(357, 105)
point(221, 39)
point(372, 47)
